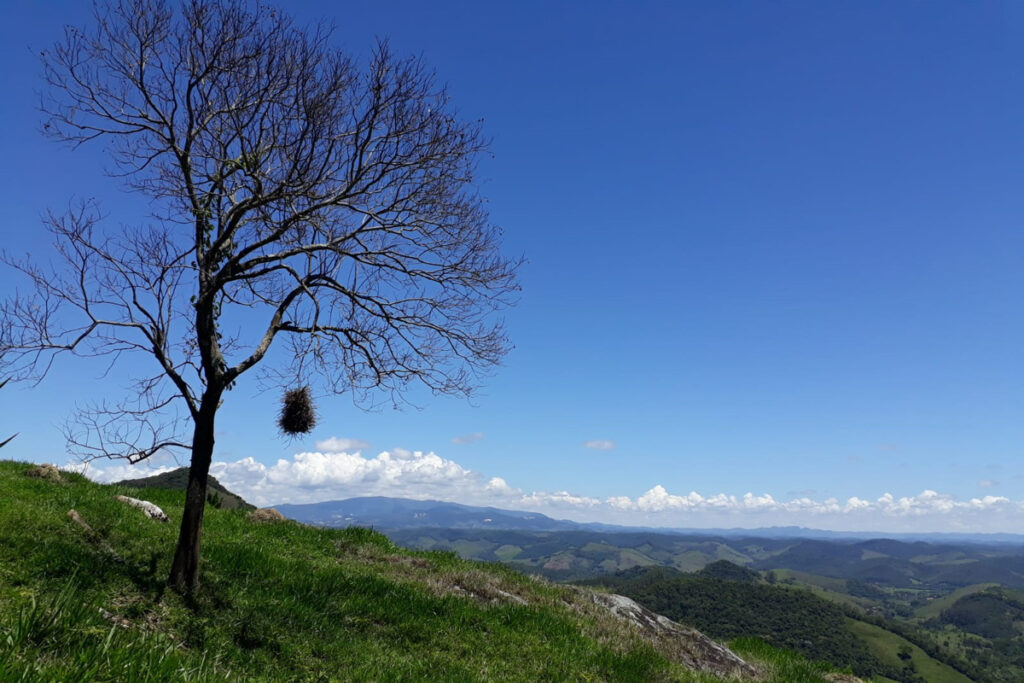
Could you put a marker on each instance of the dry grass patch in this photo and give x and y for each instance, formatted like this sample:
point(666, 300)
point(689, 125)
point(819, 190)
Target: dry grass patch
point(264, 515)
point(47, 472)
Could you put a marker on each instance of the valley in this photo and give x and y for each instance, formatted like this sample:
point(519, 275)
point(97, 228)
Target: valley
point(946, 609)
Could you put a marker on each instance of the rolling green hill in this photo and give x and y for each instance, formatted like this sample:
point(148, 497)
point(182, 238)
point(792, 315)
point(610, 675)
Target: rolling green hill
point(284, 601)
point(791, 619)
point(935, 607)
point(991, 614)
point(735, 602)
point(901, 586)
point(217, 495)
point(909, 659)
point(911, 567)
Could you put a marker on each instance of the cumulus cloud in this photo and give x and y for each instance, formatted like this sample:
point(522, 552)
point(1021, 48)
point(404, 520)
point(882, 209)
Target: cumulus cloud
point(327, 475)
point(599, 444)
point(110, 471)
point(927, 511)
point(927, 502)
point(315, 476)
point(339, 445)
point(468, 438)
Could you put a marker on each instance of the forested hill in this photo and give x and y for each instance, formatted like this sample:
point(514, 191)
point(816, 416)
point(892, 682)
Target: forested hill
point(728, 601)
point(217, 495)
point(972, 634)
point(582, 554)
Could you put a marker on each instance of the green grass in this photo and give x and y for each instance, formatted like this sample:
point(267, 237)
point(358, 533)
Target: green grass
point(886, 646)
point(935, 607)
point(280, 601)
point(781, 665)
point(507, 553)
point(826, 582)
point(724, 552)
point(831, 589)
point(629, 558)
point(691, 561)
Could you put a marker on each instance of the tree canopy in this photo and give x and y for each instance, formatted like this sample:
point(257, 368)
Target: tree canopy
point(299, 195)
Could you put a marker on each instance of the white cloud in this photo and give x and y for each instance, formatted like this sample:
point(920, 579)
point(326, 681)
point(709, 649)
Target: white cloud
point(108, 474)
point(500, 486)
point(326, 475)
point(322, 476)
point(468, 438)
point(927, 511)
point(620, 502)
point(560, 499)
point(988, 483)
point(316, 476)
point(339, 445)
point(599, 444)
point(109, 471)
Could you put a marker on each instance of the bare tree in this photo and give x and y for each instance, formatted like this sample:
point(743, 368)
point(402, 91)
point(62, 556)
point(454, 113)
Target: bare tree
point(298, 196)
point(10, 438)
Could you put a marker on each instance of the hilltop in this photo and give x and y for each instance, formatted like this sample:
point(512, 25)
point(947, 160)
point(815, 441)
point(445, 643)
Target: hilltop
point(286, 601)
point(216, 494)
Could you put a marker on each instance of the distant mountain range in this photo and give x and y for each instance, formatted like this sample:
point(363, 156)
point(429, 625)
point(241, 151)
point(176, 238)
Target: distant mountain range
point(404, 513)
point(381, 512)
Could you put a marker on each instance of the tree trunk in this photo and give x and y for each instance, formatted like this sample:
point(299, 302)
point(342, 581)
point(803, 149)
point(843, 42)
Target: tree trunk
point(185, 567)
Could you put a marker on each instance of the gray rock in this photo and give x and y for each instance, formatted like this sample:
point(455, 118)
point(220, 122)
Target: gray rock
point(688, 646)
point(152, 511)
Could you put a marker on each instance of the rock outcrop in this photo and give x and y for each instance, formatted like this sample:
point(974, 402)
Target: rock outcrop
point(152, 511)
point(686, 645)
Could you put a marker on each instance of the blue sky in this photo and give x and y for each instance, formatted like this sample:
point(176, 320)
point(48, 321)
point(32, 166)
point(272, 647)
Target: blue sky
point(773, 248)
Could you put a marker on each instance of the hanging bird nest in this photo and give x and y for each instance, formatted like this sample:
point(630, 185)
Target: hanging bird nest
point(298, 416)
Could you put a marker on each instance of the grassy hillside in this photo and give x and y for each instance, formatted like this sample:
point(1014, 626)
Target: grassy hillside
point(792, 619)
point(934, 608)
point(828, 588)
point(888, 647)
point(575, 555)
point(734, 603)
point(937, 595)
point(283, 601)
point(974, 630)
point(912, 572)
